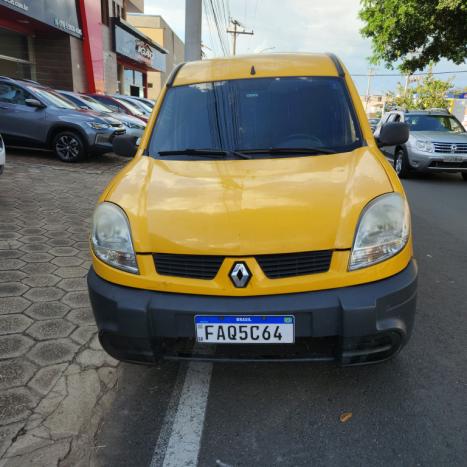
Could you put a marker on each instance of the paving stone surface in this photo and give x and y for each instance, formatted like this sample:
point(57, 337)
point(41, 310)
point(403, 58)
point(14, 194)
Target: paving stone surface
point(46, 324)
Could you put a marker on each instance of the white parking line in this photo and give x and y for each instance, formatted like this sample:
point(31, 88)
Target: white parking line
point(180, 437)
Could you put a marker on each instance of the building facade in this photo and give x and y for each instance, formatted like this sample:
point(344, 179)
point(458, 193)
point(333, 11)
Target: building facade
point(80, 45)
point(160, 32)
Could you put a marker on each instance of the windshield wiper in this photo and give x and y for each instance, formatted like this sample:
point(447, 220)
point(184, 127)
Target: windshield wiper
point(213, 153)
point(279, 150)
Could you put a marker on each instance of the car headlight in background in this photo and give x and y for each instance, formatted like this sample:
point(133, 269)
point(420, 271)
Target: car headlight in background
point(133, 125)
point(99, 126)
point(382, 232)
point(111, 238)
point(426, 146)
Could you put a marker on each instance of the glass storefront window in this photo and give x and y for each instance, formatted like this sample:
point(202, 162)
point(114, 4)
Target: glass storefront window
point(13, 44)
point(133, 85)
point(14, 55)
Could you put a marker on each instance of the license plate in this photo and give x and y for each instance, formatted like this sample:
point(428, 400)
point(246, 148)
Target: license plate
point(453, 159)
point(245, 329)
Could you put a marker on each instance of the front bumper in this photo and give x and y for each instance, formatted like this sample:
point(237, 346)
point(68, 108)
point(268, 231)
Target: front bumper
point(352, 325)
point(435, 162)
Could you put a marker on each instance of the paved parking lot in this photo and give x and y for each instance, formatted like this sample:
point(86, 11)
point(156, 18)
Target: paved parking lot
point(52, 370)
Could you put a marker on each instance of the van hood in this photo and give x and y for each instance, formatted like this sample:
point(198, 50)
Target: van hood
point(441, 136)
point(247, 207)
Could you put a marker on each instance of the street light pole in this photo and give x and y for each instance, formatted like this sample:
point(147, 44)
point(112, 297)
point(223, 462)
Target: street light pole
point(193, 12)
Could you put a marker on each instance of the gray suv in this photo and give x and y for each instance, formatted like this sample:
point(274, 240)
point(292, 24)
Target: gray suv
point(437, 142)
point(35, 116)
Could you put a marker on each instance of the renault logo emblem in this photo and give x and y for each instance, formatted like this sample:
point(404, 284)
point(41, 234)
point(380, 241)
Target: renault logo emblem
point(240, 275)
point(453, 147)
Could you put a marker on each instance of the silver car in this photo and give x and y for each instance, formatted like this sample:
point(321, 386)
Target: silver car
point(437, 142)
point(134, 126)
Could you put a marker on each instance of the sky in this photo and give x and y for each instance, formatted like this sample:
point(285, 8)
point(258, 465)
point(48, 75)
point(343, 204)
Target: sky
point(298, 26)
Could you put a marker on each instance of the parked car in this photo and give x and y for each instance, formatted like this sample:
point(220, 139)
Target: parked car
point(38, 117)
point(437, 142)
point(2, 155)
point(142, 106)
point(373, 123)
point(149, 102)
point(134, 126)
point(119, 105)
point(278, 231)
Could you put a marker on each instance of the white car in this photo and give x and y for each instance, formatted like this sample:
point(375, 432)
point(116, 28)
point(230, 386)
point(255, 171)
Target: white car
point(2, 155)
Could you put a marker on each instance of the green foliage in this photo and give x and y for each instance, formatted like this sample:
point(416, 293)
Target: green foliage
point(428, 93)
point(415, 32)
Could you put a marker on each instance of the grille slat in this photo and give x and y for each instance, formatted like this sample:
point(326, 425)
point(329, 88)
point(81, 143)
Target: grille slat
point(295, 264)
point(461, 148)
point(274, 266)
point(196, 266)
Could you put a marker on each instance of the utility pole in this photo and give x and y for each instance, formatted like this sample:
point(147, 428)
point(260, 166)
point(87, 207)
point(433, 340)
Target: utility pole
point(193, 12)
point(236, 32)
point(371, 73)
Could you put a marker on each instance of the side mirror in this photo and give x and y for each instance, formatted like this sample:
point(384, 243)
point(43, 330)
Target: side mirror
point(125, 145)
point(393, 134)
point(34, 103)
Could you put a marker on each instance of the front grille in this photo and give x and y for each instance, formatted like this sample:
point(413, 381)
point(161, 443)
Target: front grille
point(450, 148)
point(193, 266)
point(274, 266)
point(295, 264)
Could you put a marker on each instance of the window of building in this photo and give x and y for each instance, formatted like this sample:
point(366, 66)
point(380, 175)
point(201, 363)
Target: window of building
point(15, 59)
point(105, 12)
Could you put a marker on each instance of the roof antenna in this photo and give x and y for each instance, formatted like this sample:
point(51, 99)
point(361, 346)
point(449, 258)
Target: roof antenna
point(253, 71)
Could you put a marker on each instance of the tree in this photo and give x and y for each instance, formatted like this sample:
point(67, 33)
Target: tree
point(428, 93)
point(415, 32)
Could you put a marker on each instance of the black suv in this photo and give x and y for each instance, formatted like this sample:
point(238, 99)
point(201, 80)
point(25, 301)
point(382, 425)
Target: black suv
point(36, 116)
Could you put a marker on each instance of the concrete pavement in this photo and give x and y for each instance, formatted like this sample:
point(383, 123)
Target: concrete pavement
point(53, 373)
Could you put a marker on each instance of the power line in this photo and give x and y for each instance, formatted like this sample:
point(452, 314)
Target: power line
point(412, 74)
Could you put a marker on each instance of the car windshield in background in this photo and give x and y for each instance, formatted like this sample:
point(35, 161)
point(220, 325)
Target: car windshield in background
point(433, 123)
point(53, 98)
point(257, 115)
point(95, 105)
point(132, 108)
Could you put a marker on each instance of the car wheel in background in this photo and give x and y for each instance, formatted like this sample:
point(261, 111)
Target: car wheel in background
point(464, 176)
point(401, 163)
point(68, 146)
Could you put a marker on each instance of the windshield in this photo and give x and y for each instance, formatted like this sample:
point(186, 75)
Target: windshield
point(434, 123)
point(132, 108)
point(95, 105)
point(53, 98)
point(254, 114)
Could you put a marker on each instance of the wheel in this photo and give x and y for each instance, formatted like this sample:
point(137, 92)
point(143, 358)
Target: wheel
point(464, 176)
point(68, 146)
point(401, 163)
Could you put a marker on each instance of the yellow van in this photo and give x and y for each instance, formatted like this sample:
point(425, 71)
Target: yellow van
point(258, 220)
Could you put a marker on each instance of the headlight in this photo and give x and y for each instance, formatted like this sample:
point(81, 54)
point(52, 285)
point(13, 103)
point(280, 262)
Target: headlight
point(382, 232)
point(111, 238)
point(426, 146)
point(133, 125)
point(99, 126)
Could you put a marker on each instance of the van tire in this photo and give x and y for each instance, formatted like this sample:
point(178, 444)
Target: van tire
point(464, 176)
point(401, 163)
point(69, 146)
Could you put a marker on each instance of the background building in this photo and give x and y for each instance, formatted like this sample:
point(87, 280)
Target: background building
point(160, 32)
point(80, 45)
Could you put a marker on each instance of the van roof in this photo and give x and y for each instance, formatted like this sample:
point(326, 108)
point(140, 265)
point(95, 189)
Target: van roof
point(257, 66)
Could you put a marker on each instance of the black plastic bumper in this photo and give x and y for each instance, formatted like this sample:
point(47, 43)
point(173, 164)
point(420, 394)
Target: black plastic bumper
point(351, 325)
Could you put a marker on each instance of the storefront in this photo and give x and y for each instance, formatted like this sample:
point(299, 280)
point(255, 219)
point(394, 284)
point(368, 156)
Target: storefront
point(37, 38)
point(137, 54)
point(79, 45)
